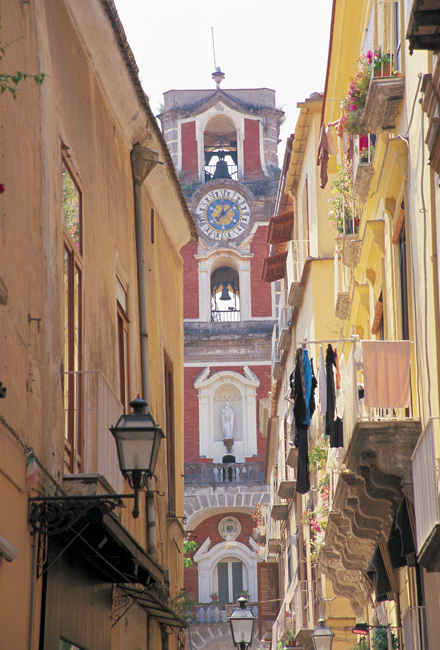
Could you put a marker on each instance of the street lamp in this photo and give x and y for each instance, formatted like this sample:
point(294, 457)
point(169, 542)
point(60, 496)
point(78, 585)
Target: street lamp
point(322, 636)
point(137, 442)
point(361, 628)
point(242, 624)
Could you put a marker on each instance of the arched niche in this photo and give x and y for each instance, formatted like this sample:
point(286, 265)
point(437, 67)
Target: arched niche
point(225, 295)
point(239, 391)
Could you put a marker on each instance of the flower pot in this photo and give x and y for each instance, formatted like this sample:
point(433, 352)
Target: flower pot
point(383, 71)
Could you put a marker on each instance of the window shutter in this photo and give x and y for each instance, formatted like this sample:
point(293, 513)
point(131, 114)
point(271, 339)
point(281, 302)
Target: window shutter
point(268, 598)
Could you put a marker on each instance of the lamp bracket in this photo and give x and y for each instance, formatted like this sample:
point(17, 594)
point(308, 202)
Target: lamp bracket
point(52, 515)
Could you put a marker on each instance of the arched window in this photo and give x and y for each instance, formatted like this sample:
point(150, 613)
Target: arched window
point(229, 579)
point(225, 295)
point(220, 148)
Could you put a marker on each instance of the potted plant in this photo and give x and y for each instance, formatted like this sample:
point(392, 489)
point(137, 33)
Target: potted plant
point(381, 63)
point(214, 597)
point(244, 593)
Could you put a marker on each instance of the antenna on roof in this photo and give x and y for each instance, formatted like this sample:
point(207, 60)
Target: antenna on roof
point(218, 75)
point(213, 47)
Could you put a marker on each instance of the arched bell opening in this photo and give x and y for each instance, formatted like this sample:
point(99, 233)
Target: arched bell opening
point(225, 295)
point(220, 149)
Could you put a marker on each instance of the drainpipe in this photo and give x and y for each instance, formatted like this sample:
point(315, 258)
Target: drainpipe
point(32, 594)
point(143, 161)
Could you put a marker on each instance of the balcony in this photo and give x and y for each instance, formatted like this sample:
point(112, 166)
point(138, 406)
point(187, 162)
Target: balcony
point(363, 170)
point(285, 333)
point(374, 471)
point(224, 473)
point(100, 409)
point(279, 511)
point(210, 613)
point(277, 366)
point(382, 105)
point(297, 256)
point(303, 608)
point(426, 465)
point(273, 536)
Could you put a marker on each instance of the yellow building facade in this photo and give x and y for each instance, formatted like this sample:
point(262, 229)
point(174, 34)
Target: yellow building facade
point(373, 529)
point(91, 313)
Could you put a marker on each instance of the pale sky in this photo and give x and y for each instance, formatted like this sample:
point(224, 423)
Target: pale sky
point(277, 44)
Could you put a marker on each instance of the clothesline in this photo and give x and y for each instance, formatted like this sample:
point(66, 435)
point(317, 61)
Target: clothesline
point(349, 340)
point(352, 339)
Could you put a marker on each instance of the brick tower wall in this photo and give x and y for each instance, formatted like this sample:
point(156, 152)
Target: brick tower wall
point(251, 150)
point(260, 291)
point(190, 281)
point(190, 165)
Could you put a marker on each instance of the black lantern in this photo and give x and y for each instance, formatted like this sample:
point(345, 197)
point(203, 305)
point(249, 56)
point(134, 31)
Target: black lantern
point(242, 623)
point(322, 636)
point(137, 441)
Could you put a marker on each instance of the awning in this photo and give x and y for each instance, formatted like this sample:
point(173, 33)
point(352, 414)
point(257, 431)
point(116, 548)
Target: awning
point(380, 572)
point(85, 525)
point(274, 267)
point(401, 545)
point(154, 606)
point(280, 228)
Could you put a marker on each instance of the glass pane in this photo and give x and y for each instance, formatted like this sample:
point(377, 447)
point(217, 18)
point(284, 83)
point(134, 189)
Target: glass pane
point(71, 203)
point(237, 580)
point(222, 577)
point(66, 341)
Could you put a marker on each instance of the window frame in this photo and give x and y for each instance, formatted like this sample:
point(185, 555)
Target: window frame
point(73, 322)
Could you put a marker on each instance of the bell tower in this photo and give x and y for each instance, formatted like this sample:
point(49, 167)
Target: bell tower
point(224, 146)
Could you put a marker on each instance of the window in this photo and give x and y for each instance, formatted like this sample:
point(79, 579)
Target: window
point(220, 147)
point(72, 219)
point(403, 284)
point(170, 435)
point(225, 295)
point(230, 580)
point(123, 349)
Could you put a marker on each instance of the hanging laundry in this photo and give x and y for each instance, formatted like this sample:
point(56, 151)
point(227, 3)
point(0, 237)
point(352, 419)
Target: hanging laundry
point(322, 382)
point(303, 385)
point(332, 150)
point(302, 471)
point(323, 156)
point(386, 373)
point(333, 423)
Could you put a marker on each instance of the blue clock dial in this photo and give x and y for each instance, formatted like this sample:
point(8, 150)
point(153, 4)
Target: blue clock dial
point(223, 214)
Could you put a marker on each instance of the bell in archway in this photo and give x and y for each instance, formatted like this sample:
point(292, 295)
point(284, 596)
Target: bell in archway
point(225, 294)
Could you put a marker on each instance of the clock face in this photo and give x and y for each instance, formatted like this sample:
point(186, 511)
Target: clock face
point(223, 214)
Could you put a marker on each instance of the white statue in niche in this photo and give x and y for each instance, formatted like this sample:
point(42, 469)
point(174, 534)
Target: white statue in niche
point(227, 416)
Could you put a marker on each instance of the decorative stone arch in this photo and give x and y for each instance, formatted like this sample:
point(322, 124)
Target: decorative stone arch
point(212, 260)
point(208, 557)
point(240, 391)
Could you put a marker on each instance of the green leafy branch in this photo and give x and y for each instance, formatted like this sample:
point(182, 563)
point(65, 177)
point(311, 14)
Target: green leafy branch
point(9, 82)
point(188, 547)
